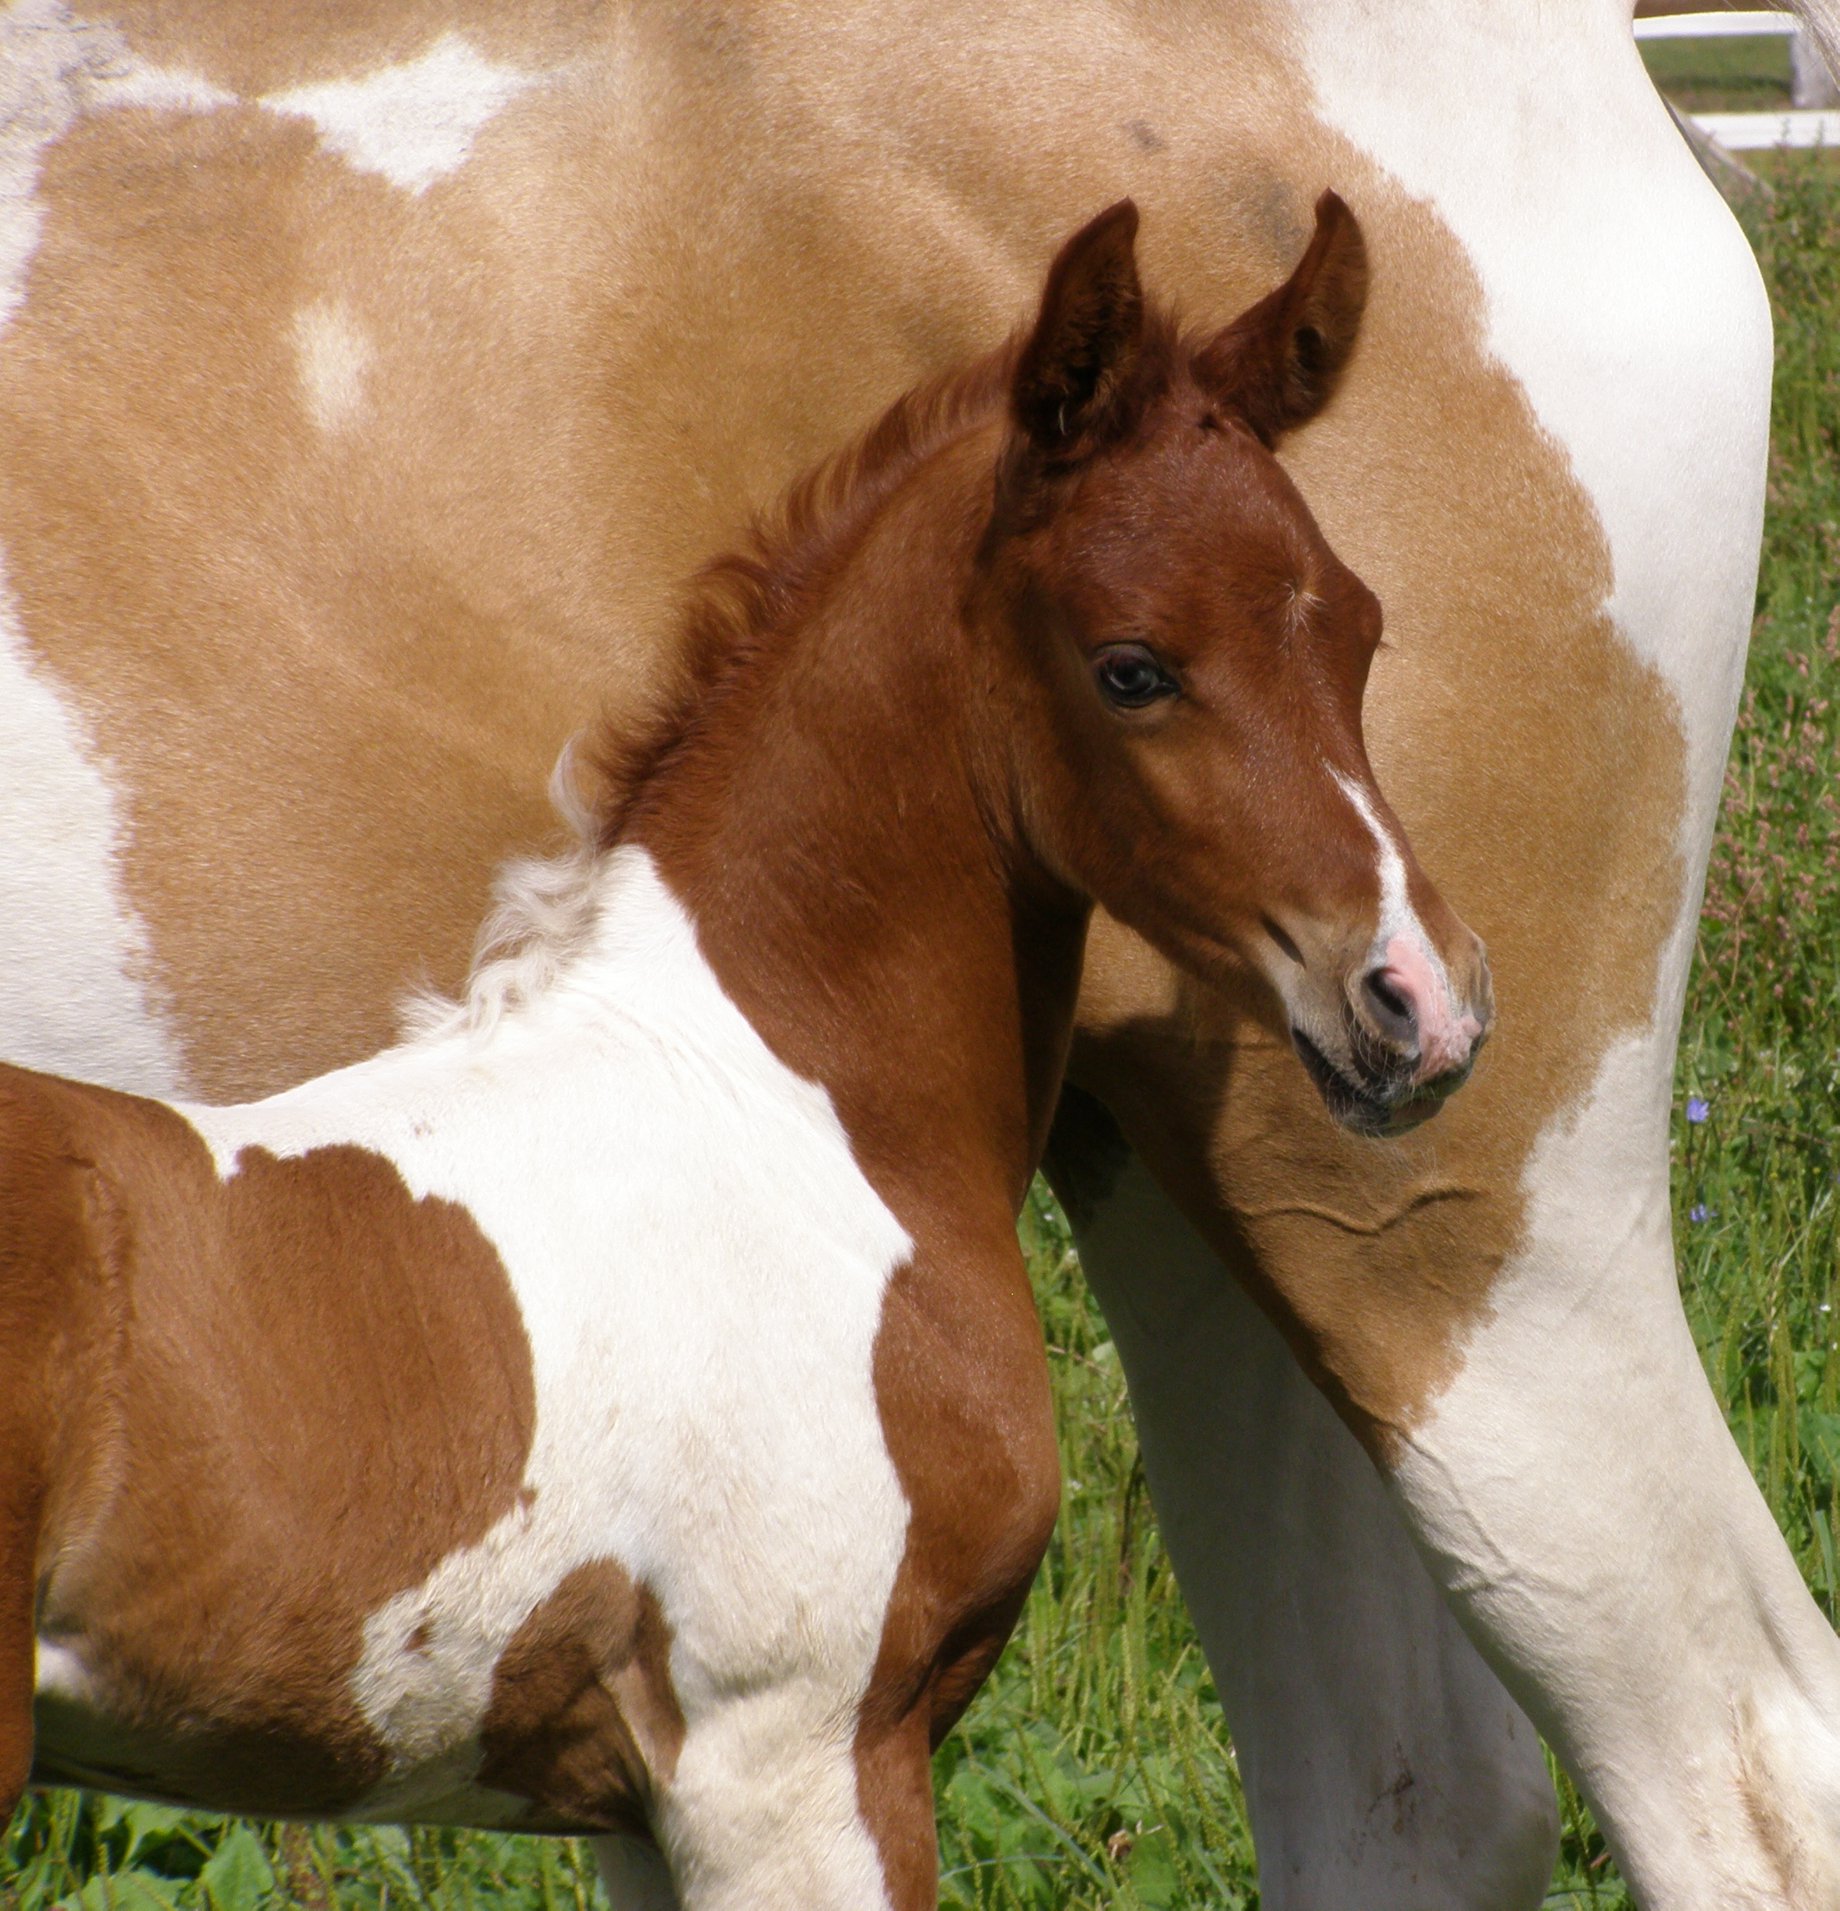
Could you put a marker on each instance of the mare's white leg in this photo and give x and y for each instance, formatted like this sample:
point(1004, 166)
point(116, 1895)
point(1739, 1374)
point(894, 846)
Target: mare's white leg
point(635, 1875)
point(1595, 1526)
point(1385, 1767)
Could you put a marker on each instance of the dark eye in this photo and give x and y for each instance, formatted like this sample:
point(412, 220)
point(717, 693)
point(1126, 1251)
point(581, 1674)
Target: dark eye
point(1129, 676)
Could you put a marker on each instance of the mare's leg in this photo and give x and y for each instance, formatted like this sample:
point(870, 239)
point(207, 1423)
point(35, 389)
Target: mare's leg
point(1385, 1767)
point(635, 1874)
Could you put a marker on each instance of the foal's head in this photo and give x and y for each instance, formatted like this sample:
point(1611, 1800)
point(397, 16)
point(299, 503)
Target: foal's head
point(1190, 750)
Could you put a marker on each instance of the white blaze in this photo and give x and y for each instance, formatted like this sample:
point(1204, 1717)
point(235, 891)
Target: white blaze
point(1397, 916)
point(1447, 1030)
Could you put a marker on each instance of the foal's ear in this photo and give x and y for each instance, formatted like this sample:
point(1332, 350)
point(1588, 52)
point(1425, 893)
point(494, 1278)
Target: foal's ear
point(1277, 364)
point(1075, 386)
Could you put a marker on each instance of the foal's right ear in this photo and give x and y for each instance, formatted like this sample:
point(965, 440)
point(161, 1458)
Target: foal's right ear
point(1278, 364)
point(1075, 386)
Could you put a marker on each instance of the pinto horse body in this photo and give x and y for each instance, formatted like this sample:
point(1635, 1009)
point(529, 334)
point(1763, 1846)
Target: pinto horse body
point(367, 381)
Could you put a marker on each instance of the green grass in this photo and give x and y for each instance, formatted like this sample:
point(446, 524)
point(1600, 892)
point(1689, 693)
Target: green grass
point(1095, 1768)
point(1755, 1181)
point(1744, 75)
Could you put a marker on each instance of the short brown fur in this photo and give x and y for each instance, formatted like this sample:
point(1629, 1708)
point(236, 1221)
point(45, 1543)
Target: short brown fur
point(366, 1407)
point(584, 1721)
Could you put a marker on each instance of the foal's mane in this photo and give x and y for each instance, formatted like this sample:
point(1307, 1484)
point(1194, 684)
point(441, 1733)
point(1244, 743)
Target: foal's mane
point(733, 611)
point(740, 604)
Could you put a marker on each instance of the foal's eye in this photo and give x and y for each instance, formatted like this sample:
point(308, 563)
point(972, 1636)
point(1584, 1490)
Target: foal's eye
point(1129, 676)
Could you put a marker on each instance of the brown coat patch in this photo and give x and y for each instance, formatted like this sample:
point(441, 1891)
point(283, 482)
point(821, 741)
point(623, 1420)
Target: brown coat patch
point(326, 1390)
point(583, 1721)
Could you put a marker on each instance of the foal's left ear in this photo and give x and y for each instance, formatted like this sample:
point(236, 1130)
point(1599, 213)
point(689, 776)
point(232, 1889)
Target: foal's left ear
point(1277, 364)
point(1075, 385)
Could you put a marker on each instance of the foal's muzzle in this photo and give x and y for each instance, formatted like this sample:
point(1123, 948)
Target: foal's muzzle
point(1378, 1100)
point(1402, 1051)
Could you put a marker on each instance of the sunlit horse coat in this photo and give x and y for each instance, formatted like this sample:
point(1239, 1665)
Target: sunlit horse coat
point(366, 382)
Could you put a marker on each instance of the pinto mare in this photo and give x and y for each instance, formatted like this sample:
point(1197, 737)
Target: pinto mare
point(369, 378)
point(622, 1407)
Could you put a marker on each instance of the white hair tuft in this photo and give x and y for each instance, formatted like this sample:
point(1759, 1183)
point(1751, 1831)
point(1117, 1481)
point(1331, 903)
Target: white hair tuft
point(542, 911)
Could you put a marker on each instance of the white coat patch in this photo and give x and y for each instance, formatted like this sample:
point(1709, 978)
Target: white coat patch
point(159, 89)
point(1586, 1332)
point(1586, 326)
point(334, 357)
point(700, 1266)
point(412, 124)
point(53, 69)
point(44, 59)
point(75, 993)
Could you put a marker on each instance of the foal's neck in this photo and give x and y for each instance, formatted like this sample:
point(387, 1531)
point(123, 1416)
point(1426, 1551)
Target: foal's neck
point(841, 834)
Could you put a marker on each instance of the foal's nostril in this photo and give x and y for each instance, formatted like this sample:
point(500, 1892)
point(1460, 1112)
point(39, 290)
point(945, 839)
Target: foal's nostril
point(1391, 1007)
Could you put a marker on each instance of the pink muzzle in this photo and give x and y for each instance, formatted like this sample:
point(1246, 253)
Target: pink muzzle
point(1446, 1034)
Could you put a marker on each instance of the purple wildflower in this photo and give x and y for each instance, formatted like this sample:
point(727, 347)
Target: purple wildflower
point(1700, 1212)
point(1697, 1110)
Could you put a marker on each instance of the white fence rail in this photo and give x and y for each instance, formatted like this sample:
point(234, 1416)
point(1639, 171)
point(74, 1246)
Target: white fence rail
point(1755, 132)
point(1748, 132)
point(1715, 26)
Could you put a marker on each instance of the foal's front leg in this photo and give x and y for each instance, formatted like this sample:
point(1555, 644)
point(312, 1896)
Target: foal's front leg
point(790, 1826)
point(19, 1533)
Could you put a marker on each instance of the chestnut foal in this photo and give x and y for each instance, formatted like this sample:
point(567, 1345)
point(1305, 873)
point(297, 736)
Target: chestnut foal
point(620, 1408)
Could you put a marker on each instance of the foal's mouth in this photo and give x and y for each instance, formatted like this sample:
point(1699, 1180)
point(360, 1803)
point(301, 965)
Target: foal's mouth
point(1374, 1105)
